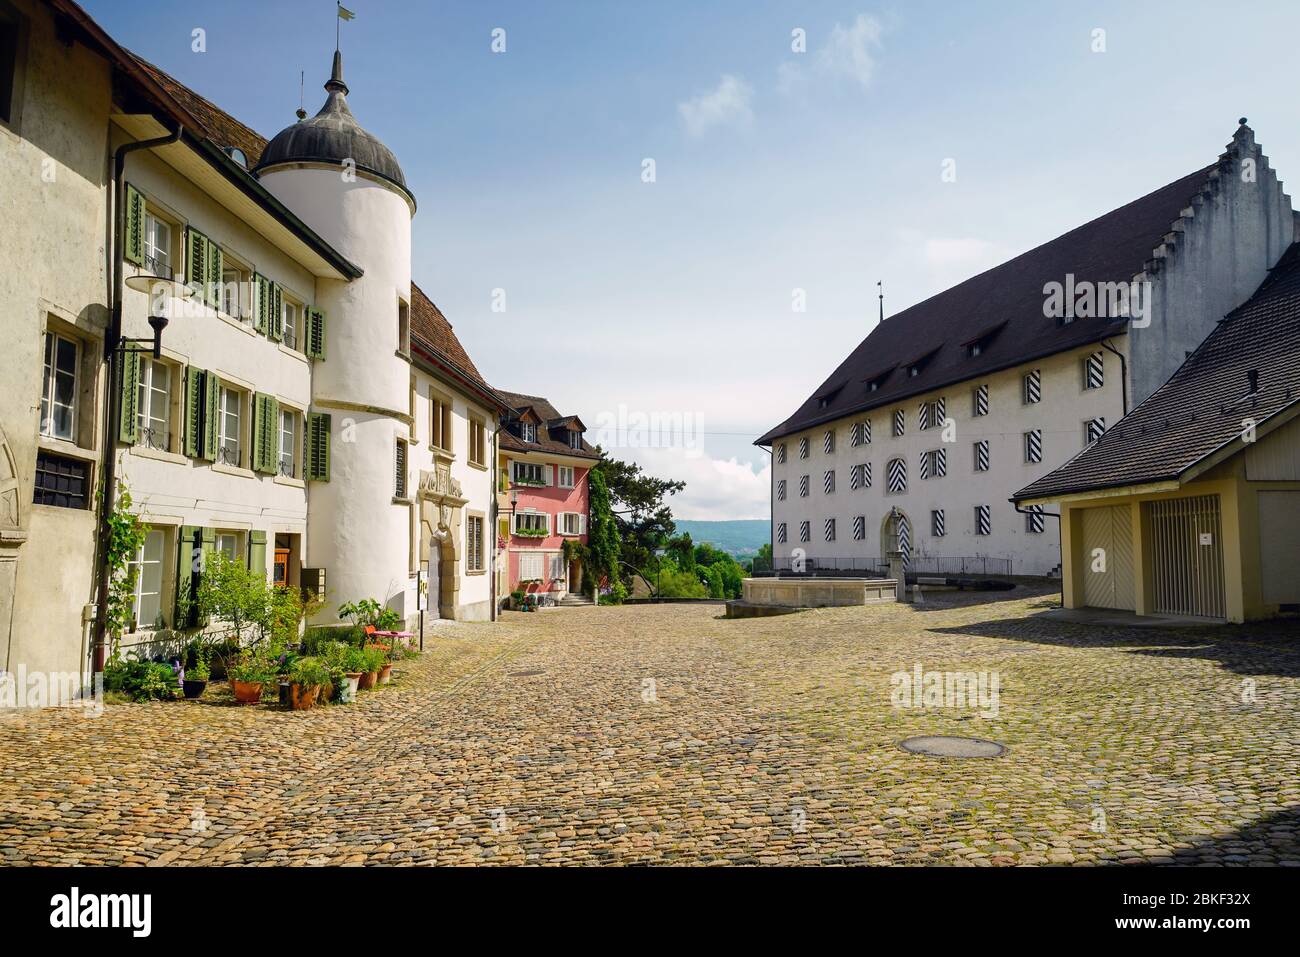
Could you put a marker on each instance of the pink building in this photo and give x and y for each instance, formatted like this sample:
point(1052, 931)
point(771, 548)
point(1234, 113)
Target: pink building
point(542, 497)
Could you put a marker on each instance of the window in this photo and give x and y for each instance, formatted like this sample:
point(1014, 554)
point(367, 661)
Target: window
point(1034, 519)
point(982, 455)
point(860, 476)
point(828, 482)
point(439, 423)
point(980, 401)
point(828, 441)
point(229, 414)
point(59, 388)
point(148, 565)
point(780, 490)
point(780, 454)
point(931, 414)
point(937, 523)
point(61, 481)
point(535, 523)
point(291, 314)
point(236, 289)
point(1094, 371)
point(155, 404)
point(478, 442)
point(227, 543)
point(899, 422)
point(528, 473)
point(12, 31)
point(528, 431)
point(803, 447)
point(803, 486)
point(158, 237)
point(859, 528)
point(575, 439)
point(403, 328)
point(566, 476)
point(1093, 429)
point(982, 523)
point(897, 475)
point(1034, 446)
point(399, 469)
point(780, 533)
point(1033, 387)
point(805, 532)
point(474, 548)
point(572, 523)
point(829, 531)
point(860, 433)
point(288, 442)
point(934, 464)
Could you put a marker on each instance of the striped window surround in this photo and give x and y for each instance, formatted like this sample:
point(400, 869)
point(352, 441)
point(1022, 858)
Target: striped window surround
point(780, 533)
point(1034, 519)
point(931, 414)
point(866, 474)
point(828, 441)
point(905, 538)
point(1094, 371)
point(1094, 429)
point(936, 523)
point(855, 477)
point(897, 475)
point(934, 464)
point(803, 447)
point(860, 433)
point(981, 400)
point(983, 525)
point(805, 532)
point(1034, 446)
point(828, 482)
point(982, 455)
point(829, 530)
point(780, 453)
point(1033, 387)
point(859, 527)
point(780, 490)
point(803, 486)
point(899, 422)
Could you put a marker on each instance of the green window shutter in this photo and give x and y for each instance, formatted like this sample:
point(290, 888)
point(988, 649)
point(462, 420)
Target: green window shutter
point(315, 338)
point(277, 312)
point(211, 415)
point(258, 458)
point(215, 262)
point(318, 447)
point(272, 435)
point(196, 267)
point(193, 412)
point(129, 422)
point(257, 306)
point(134, 239)
point(185, 611)
point(265, 433)
point(263, 304)
point(257, 552)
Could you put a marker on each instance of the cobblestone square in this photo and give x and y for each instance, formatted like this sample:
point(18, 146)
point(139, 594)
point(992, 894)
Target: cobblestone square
point(669, 735)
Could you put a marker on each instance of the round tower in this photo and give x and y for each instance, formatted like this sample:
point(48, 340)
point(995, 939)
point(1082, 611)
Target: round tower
point(348, 187)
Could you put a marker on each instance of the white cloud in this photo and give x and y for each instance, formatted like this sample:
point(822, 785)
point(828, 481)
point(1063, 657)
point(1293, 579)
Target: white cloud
point(952, 260)
point(729, 104)
point(717, 489)
point(849, 53)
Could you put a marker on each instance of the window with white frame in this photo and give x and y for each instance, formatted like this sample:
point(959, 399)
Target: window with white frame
point(230, 426)
point(474, 547)
point(565, 476)
point(291, 313)
point(557, 568)
point(148, 567)
point(572, 523)
point(288, 442)
point(536, 524)
point(530, 567)
point(236, 288)
point(575, 439)
point(155, 404)
point(228, 544)
point(59, 387)
point(528, 431)
point(477, 441)
point(158, 238)
point(528, 473)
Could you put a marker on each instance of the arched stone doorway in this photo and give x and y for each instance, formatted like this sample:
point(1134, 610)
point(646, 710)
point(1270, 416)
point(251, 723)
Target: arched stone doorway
point(12, 536)
point(896, 535)
point(441, 503)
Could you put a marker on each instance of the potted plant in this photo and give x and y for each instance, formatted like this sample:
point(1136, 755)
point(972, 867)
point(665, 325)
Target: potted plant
point(308, 678)
point(195, 677)
point(372, 662)
point(353, 661)
point(249, 674)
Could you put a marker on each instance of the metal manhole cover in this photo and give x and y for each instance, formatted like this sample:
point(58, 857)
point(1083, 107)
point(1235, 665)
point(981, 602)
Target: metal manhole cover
point(947, 746)
point(527, 674)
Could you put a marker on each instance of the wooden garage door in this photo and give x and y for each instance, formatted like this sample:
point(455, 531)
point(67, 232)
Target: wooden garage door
point(1108, 558)
point(1279, 546)
point(1186, 556)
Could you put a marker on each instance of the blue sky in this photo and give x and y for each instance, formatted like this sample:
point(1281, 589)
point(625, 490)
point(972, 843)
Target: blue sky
point(774, 170)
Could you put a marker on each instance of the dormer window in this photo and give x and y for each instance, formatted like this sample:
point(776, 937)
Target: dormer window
point(575, 440)
point(975, 349)
point(913, 371)
point(528, 431)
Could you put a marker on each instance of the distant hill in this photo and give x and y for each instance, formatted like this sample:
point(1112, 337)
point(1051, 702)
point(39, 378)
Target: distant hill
point(740, 538)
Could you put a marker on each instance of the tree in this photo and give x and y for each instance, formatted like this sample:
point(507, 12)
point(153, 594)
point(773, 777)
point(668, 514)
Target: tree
point(602, 535)
point(126, 533)
point(643, 520)
point(230, 592)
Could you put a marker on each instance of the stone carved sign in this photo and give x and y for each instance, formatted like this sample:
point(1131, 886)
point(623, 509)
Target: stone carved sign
point(10, 497)
point(439, 484)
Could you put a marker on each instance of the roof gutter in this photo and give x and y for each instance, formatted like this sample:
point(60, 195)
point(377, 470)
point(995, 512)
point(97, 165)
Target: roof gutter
point(433, 359)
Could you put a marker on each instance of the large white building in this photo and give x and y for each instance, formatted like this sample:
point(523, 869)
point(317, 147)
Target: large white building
point(949, 407)
point(311, 411)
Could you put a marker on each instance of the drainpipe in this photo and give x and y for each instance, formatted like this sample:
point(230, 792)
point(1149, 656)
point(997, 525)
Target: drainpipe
point(1123, 373)
point(1060, 546)
point(114, 410)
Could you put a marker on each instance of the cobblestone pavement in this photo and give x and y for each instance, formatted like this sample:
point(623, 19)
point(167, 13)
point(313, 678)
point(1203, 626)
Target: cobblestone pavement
point(670, 735)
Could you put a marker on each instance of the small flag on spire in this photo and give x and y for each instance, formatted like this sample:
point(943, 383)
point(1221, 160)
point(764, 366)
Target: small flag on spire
point(345, 13)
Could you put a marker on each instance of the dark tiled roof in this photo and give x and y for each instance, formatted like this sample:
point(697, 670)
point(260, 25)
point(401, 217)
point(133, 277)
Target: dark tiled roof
point(1201, 408)
point(431, 328)
point(1007, 301)
point(545, 441)
point(220, 127)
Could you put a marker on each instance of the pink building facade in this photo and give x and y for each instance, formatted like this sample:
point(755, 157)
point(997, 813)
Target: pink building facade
point(542, 498)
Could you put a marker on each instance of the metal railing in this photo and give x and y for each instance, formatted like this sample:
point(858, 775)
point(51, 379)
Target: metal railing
point(879, 567)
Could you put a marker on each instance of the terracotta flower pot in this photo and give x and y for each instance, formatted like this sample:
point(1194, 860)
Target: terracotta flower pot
point(385, 674)
point(367, 680)
point(303, 698)
point(247, 692)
